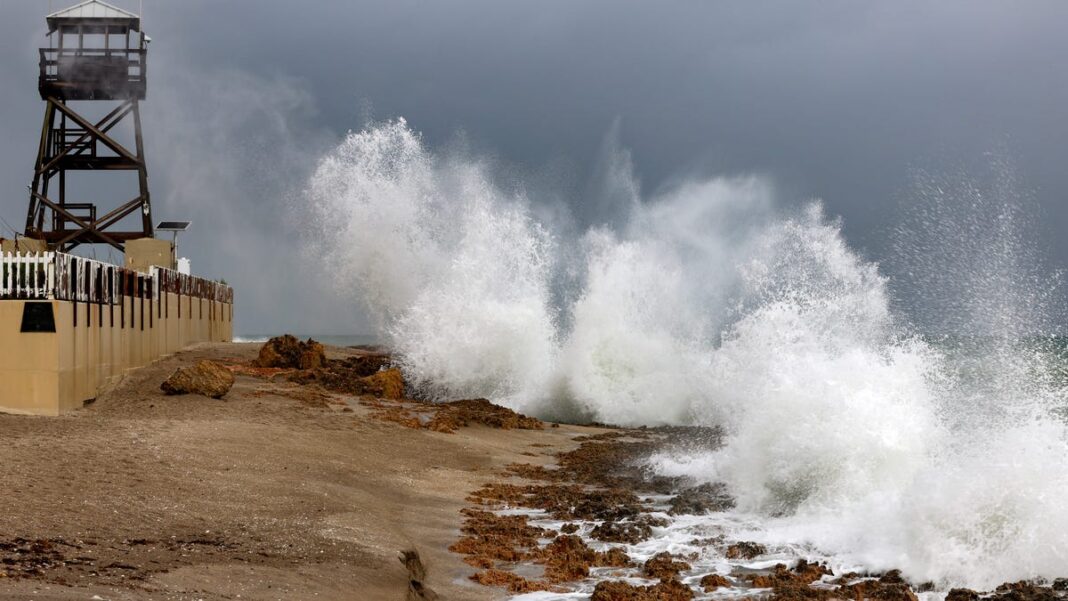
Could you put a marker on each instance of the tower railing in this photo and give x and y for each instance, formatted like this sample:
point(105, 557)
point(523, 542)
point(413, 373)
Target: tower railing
point(92, 73)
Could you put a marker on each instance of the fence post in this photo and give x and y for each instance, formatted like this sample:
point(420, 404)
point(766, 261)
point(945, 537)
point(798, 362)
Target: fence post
point(50, 275)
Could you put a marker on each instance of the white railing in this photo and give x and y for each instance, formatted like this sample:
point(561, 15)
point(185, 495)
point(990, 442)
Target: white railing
point(87, 280)
point(27, 275)
point(168, 280)
point(68, 277)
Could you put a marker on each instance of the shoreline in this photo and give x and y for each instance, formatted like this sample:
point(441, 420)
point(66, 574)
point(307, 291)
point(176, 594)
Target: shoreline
point(273, 492)
point(326, 482)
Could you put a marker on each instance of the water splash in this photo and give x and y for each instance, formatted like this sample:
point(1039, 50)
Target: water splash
point(847, 433)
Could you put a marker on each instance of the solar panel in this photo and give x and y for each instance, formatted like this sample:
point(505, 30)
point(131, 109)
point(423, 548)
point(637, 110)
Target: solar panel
point(173, 226)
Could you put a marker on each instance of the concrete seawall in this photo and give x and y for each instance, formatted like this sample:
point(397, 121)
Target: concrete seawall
point(47, 373)
point(71, 325)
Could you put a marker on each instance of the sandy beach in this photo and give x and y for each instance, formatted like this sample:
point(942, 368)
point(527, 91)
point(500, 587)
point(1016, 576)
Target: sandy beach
point(324, 481)
point(266, 494)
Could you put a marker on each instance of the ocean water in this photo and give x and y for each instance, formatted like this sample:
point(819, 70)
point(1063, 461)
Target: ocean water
point(328, 339)
point(926, 434)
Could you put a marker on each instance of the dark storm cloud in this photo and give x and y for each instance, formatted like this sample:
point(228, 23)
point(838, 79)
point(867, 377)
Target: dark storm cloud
point(837, 100)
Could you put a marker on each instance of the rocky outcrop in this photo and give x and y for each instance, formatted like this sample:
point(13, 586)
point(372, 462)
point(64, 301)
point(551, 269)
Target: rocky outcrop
point(459, 414)
point(663, 566)
point(619, 590)
point(288, 352)
point(745, 550)
point(206, 377)
point(629, 531)
point(355, 375)
point(386, 384)
point(711, 582)
point(705, 498)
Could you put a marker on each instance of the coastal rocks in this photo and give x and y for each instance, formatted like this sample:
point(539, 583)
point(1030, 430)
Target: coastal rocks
point(437, 417)
point(206, 377)
point(568, 558)
point(386, 384)
point(631, 531)
point(702, 499)
point(481, 411)
point(796, 585)
point(711, 582)
point(867, 589)
point(1015, 591)
point(592, 494)
point(962, 594)
point(565, 501)
point(782, 578)
point(610, 504)
point(614, 557)
point(513, 582)
point(1025, 591)
point(288, 352)
point(745, 550)
point(363, 365)
point(618, 590)
point(355, 376)
point(664, 566)
point(489, 538)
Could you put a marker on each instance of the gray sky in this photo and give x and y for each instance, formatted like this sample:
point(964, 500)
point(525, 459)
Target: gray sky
point(836, 100)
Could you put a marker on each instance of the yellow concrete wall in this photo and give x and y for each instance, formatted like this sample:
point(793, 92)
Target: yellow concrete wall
point(28, 365)
point(49, 373)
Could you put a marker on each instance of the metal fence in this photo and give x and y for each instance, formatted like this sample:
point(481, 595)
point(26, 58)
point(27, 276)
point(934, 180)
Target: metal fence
point(61, 276)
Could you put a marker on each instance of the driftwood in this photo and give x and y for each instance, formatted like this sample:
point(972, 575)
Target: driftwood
point(417, 591)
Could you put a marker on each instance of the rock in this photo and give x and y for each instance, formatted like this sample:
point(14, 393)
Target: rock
point(364, 365)
point(711, 582)
point(1024, 591)
point(962, 594)
point(386, 384)
point(459, 414)
point(288, 352)
point(358, 376)
point(745, 550)
point(892, 577)
point(618, 590)
point(513, 582)
point(614, 557)
point(663, 566)
point(630, 532)
point(206, 377)
point(490, 538)
point(783, 579)
point(702, 499)
point(568, 558)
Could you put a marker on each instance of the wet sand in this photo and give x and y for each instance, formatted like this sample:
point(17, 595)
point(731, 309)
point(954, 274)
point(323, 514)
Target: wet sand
point(270, 493)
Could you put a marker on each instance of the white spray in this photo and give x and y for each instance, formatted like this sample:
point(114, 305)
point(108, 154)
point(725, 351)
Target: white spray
point(707, 306)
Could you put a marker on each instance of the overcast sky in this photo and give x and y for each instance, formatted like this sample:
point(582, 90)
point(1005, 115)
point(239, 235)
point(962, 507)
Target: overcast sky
point(835, 100)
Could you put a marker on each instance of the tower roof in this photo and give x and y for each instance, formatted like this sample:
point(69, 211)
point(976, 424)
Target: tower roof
point(94, 12)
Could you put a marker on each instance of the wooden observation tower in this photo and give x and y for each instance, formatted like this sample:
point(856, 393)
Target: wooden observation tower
point(96, 53)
